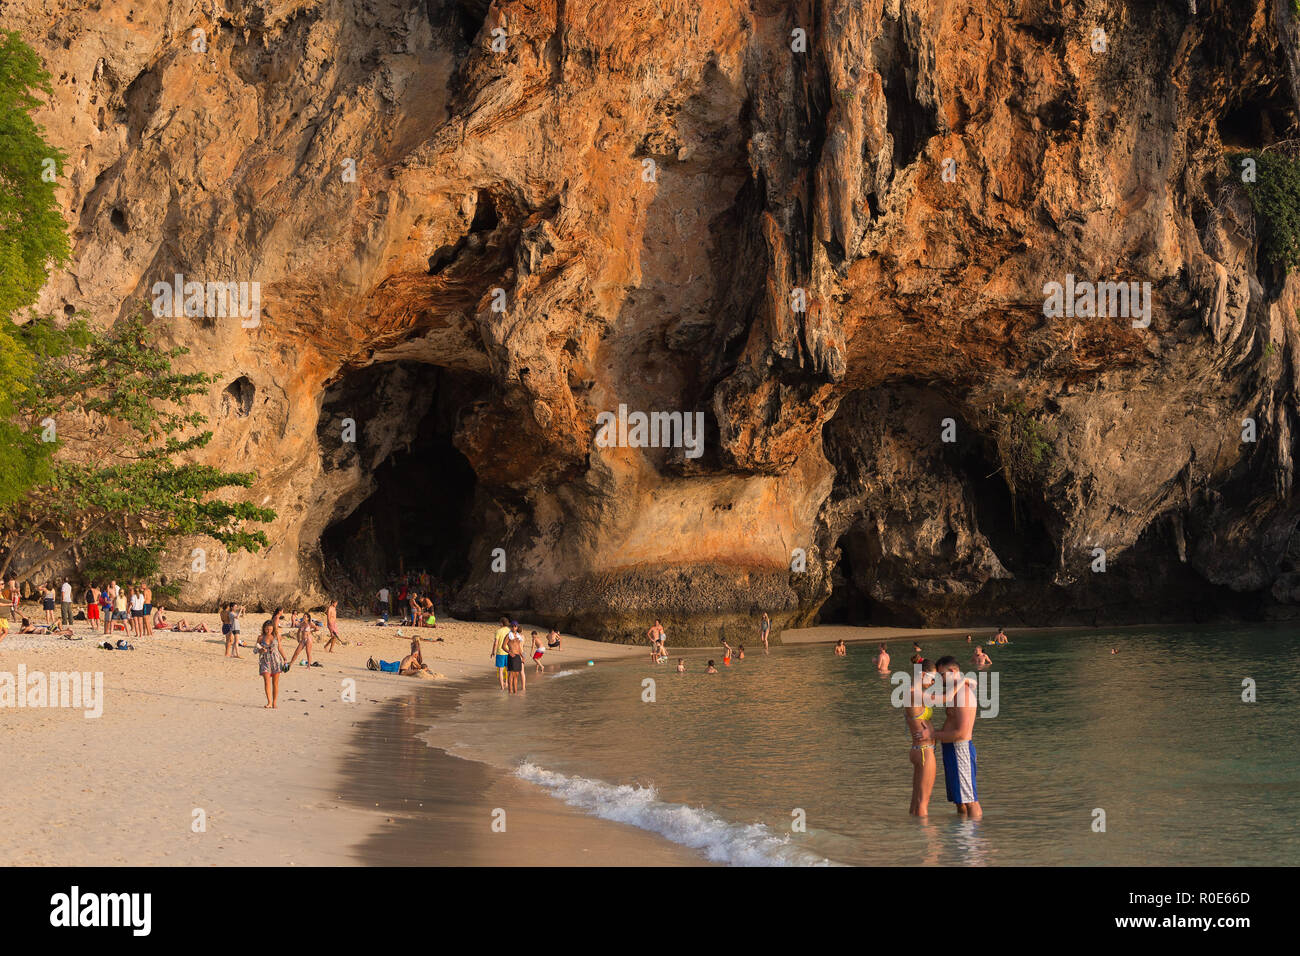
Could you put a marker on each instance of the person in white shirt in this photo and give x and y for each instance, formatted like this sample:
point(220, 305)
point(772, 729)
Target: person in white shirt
point(385, 608)
point(65, 603)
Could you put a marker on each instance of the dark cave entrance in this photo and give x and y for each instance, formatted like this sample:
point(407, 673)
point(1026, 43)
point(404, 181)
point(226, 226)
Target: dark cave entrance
point(414, 510)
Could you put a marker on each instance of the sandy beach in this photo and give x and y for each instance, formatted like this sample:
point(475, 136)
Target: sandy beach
point(184, 740)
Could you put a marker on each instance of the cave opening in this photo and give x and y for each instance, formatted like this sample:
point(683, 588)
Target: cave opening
point(411, 506)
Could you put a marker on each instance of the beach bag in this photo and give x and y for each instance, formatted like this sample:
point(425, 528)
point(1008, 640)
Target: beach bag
point(392, 668)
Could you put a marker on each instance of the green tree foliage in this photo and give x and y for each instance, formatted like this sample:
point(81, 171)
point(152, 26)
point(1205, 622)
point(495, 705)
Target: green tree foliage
point(1275, 198)
point(121, 478)
point(33, 238)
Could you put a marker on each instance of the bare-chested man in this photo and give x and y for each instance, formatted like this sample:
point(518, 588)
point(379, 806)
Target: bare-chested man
point(657, 638)
point(515, 661)
point(332, 624)
point(960, 703)
point(882, 660)
point(981, 660)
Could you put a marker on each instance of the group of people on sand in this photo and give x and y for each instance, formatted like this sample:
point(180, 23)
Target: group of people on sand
point(508, 654)
point(414, 602)
point(110, 606)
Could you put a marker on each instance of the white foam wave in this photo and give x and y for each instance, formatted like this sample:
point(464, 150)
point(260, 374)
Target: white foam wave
point(564, 673)
point(751, 844)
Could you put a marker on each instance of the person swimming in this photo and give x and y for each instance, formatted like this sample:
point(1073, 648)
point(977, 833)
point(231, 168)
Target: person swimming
point(711, 669)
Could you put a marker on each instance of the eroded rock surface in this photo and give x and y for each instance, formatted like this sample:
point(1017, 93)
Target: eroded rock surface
point(780, 171)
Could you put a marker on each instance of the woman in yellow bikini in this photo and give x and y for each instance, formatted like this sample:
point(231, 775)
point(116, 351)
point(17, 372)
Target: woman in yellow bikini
point(917, 717)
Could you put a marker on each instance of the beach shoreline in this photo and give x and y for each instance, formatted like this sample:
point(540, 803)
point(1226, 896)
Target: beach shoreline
point(185, 766)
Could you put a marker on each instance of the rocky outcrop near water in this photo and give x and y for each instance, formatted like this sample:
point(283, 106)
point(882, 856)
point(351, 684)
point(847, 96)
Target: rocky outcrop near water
point(826, 232)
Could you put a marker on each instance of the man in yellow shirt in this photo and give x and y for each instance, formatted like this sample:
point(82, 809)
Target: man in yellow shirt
point(499, 649)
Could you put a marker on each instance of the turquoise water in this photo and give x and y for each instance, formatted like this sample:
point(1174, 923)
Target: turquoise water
point(1157, 736)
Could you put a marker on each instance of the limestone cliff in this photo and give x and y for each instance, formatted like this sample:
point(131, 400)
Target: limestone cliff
point(825, 226)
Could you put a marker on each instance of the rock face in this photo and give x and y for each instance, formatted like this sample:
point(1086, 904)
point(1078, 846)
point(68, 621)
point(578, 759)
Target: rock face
point(825, 227)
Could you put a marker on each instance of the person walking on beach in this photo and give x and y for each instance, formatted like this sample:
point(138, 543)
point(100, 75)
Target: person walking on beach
point(499, 655)
point(539, 648)
point(882, 660)
point(960, 702)
point(270, 659)
point(332, 625)
point(233, 613)
point(916, 715)
point(764, 629)
point(305, 631)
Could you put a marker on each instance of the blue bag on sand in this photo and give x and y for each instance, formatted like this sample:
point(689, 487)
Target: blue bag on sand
point(392, 668)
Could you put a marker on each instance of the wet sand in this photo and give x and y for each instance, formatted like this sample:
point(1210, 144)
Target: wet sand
point(441, 810)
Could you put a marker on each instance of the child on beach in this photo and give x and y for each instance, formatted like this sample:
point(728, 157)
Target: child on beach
point(681, 665)
point(553, 640)
point(538, 650)
point(726, 654)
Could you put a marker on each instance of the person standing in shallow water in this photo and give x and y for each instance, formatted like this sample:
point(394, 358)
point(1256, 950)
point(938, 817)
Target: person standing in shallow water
point(499, 655)
point(764, 629)
point(960, 703)
point(917, 715)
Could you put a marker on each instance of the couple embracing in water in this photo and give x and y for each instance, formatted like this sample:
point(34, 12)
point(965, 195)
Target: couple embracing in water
point(958, 696)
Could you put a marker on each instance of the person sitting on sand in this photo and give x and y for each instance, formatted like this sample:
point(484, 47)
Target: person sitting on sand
point(841, 649)
point(160, 618)
point(711, 669)
point(29, 628)
point(553, 640)
point(882, 660)
point(414, 661)
point(681, 665)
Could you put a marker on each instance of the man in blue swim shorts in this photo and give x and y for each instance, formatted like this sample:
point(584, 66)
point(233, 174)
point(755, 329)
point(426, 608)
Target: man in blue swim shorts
point(499, 654)
point(961, 703)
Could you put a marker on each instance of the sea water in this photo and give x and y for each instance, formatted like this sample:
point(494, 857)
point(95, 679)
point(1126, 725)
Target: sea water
point(1146, 757)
